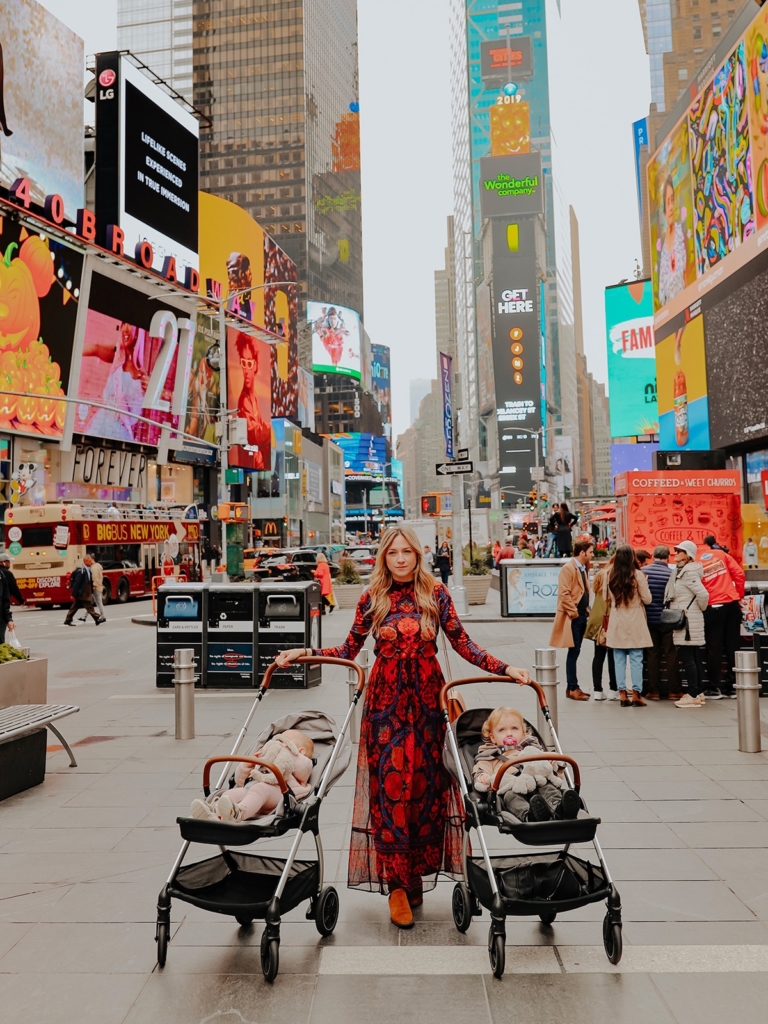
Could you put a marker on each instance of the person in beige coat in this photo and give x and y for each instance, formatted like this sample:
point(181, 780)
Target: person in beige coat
point(626, 593)
point(572, 611)
point(686, 590)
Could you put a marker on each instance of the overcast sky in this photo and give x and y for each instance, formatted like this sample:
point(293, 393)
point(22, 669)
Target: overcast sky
point(599, 85)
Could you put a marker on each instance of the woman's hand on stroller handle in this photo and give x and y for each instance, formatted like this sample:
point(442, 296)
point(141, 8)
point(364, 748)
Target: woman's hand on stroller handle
point(284, 658)
point(520, 675)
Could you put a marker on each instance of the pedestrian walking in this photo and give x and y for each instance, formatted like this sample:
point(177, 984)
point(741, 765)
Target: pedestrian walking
point(686, 591)
point(495, 551)
point(560, 524)
point(443, 562)
point(429, 558)
point(657, 573)
point(571, 616)
point(724, 580)
point(6, 571)
point(597, 625)
point(750, 554)
point(322, 573)
point(626, 592)
point(508, 551)
point(81, 585)
point(406, 824)
point(6, 615)
point(97, 580)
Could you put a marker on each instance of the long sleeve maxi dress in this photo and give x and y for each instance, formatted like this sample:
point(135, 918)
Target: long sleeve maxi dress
point(406, 823)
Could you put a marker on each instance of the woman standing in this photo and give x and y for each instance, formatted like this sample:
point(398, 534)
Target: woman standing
point(322, 573)
point(560, 524)
point(406, 823)
point(596, 632)
point(626, 591)
point(685, 590)
point(443, 562)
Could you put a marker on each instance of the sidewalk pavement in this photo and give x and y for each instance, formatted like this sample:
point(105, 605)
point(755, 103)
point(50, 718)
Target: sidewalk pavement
point(83, 857)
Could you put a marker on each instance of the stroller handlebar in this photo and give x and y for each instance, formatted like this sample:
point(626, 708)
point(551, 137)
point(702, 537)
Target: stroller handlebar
point(316, 659)
point(537, 757)
point(488, 679)
point(245, 760)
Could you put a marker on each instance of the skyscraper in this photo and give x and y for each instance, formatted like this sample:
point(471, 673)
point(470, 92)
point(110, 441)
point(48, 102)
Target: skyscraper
point(278, 80)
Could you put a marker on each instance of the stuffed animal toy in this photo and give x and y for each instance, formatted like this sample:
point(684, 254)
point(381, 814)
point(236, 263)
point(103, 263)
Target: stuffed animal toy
point(279, 752)
point(532, 774)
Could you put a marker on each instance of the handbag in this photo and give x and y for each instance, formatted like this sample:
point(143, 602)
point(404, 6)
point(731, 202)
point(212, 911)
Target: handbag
point(673, 619)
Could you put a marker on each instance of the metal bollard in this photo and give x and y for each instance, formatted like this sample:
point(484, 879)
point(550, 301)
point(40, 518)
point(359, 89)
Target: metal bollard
point(184, 690)
point(748, 701)
point(545, 673)
point(354, 725)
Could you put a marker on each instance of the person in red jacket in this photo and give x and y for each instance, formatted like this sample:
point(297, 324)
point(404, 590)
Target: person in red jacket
point(724, 579)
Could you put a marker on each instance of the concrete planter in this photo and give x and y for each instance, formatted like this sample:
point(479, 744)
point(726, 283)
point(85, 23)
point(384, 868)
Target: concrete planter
point(347, 594)
point(477, 588)
point(24, 682)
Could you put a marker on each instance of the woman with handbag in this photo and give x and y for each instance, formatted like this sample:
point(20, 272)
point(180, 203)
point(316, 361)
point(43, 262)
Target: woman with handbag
point(626, 591)
point(597, 626)
point(685, 599)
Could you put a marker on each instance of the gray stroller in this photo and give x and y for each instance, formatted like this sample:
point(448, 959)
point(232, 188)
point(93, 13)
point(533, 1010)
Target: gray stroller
point(248, 886)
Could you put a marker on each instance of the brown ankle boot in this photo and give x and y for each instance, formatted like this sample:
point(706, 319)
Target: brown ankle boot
point(399, 909)
point(416, 895)
point(637, 700)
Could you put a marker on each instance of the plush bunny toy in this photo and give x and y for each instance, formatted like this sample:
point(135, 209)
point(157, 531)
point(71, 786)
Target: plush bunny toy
point(282, 753)
point(531, 775)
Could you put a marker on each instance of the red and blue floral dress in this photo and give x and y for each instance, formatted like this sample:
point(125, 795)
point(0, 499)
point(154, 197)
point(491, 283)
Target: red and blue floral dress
point(406, 825)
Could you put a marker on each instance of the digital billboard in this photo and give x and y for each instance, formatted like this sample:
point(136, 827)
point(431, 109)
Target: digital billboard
point(41, 106)
point(511, 185)
point(504, 60)
point(631, 359)
point(235, 254)
point(364, 454)
point(203, 400)
point(380, 380)
point(335, 339)
point(306, 382)
point(249, 391)
point(147, 160)
point(135, 361)
point(681, 382)
point(708, 181)
point(40, 282)
point(510, 127)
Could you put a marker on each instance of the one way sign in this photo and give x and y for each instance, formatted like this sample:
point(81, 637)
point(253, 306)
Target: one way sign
point(452, 468)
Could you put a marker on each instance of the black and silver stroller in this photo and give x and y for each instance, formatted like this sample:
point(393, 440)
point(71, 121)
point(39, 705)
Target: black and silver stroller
point(523, 884)
point(248, 886)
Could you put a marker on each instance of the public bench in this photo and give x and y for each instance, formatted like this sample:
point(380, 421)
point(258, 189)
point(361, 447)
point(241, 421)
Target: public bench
point(23, 742)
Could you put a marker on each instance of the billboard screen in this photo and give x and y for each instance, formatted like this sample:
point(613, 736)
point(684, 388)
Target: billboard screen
point(511, 185)
point(380, 380)
point(681, 376)
point(628, 457)
point(147, 156)
point(236, 253)
point(306, 382)
point(249, 391)
point(505, 60)
point(40, 282)
point(364, 454)
point(118, 363)
point(41, 106)
point(631, 359)
point(708, 181)
point(335, 339)
point(204, 387)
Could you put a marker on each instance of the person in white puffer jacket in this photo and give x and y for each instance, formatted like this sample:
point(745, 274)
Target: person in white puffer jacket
point(685, 590)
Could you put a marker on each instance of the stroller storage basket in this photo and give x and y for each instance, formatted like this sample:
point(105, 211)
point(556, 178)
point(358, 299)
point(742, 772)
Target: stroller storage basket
point(243, 884)
point(531, 883)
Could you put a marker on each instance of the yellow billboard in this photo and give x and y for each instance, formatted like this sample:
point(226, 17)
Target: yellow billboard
point(231, 256)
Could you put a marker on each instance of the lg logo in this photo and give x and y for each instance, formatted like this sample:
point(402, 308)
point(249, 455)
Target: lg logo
point(107, 79)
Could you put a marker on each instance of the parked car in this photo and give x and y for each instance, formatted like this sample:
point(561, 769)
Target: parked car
point(364, 557)
point(292, 564)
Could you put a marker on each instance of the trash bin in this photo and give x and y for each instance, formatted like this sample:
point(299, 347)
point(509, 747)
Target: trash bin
point(181, 611)
point(289, 616)
point(231, 639)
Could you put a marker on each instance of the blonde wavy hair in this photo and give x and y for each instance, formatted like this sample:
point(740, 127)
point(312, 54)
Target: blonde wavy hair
point(381, 582)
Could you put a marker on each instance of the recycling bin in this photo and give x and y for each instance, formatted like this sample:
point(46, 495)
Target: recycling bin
point(289, 616)
point(231, 637)
point(181, 612)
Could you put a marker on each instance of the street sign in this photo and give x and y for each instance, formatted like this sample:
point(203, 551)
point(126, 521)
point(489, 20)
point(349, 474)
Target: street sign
point(462, 455)
point(452, 468)
point(538, 473)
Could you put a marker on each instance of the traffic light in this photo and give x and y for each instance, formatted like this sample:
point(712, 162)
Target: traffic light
point(533, 498)
point(429, 505)
point(234, 512)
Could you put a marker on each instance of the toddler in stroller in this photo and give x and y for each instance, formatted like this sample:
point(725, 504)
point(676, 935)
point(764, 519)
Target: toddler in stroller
point(533, 792)
point(256, 788)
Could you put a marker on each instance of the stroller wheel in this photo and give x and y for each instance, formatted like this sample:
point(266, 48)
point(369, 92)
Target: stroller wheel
point(547, 919)
point(243, 921)
point(461, 905)
point(270, 957)
point(496, 953)
point(327, 912)
point(612, 939)
point(161, 938)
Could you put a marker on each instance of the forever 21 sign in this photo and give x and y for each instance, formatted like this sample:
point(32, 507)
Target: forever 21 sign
point(104, 467)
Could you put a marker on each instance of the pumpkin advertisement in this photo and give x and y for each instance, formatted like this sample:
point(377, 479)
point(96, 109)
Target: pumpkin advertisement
point(39, 294)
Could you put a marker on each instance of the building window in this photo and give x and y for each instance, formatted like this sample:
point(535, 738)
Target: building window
point(697, 31)
point(682, 74)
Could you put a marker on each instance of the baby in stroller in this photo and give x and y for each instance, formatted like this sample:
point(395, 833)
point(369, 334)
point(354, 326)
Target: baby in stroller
point(256, 789)
point(532, 792)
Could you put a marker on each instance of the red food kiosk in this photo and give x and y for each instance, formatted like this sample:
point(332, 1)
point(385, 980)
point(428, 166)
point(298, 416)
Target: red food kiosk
point(668, 507)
